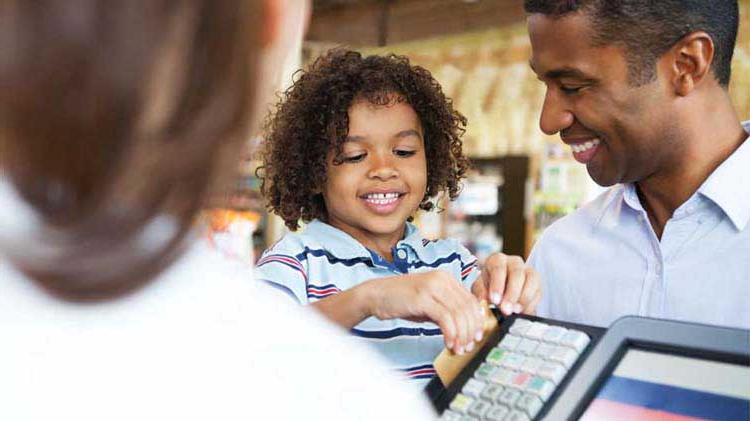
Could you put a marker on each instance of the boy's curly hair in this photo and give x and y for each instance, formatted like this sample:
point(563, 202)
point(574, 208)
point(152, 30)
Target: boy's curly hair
point(311, 118)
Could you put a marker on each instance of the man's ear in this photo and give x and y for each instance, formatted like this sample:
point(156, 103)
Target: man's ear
point(690, 62)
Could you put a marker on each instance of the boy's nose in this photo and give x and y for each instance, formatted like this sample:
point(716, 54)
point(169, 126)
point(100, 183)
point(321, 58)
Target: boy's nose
point(555, 115)
point(383, 169)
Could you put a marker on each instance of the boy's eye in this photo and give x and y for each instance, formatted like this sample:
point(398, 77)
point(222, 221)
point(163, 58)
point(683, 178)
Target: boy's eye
point(404, 152)
point(353, 158)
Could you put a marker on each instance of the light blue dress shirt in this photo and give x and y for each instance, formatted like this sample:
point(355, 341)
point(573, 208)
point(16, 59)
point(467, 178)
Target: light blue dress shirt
point(604, 260)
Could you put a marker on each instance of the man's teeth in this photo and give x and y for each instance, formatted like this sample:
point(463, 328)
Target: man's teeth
point(583, 147)
point(381, 198)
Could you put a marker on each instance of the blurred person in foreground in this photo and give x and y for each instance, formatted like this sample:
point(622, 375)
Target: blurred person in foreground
point(117, 120)
point(639, 90)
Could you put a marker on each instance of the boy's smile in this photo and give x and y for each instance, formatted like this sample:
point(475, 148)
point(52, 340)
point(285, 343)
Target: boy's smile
point(380, 177)
point(383, 202)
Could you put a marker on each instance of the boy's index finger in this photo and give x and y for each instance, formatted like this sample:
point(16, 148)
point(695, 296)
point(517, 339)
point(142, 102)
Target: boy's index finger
point(479, 287)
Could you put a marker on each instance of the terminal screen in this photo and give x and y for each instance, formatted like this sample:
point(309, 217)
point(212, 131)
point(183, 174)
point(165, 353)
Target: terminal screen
point(649, 385)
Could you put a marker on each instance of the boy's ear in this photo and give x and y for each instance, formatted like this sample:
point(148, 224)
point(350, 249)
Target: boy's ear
point(690, 63)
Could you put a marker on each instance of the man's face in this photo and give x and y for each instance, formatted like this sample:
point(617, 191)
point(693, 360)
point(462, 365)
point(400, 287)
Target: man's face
point(621, 132)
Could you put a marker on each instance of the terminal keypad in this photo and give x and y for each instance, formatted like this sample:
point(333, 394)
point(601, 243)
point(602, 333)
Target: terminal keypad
point(519, 374)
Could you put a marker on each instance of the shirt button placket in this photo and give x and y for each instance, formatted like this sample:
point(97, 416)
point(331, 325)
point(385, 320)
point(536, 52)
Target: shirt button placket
point(650, 295)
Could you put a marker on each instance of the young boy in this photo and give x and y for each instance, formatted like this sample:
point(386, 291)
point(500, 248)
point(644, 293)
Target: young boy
point(355, 148)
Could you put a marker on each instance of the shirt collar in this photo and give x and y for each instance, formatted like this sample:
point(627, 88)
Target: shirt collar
point(412, 238)
point(345, 246)
point(729, 185)
point(630, 197)
point(613, 204)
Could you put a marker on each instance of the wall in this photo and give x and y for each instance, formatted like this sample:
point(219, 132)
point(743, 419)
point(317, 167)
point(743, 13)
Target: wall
point(487, 75)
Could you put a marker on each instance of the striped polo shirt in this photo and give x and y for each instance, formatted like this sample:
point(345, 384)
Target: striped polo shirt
point(323, 260)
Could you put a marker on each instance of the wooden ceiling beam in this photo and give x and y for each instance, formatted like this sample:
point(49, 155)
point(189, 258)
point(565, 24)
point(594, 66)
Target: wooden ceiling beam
point(373, 23)
point(357, 24)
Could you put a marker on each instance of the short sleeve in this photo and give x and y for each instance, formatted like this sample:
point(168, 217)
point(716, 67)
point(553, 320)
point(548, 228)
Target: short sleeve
point(280, 268)
point(469, 267)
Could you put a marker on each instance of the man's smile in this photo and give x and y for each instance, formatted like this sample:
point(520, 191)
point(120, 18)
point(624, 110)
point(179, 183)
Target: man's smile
point(584, 150)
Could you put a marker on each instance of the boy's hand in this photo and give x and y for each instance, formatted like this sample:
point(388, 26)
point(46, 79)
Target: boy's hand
point(431, 296)
point(509, 284)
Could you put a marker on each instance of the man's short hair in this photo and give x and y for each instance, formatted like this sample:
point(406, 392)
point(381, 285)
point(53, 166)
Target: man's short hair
point(648, 28)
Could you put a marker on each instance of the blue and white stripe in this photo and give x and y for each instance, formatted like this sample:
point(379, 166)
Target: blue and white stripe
point(323, 260)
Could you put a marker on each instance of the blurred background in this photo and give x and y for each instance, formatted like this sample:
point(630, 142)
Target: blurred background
point(478, 50)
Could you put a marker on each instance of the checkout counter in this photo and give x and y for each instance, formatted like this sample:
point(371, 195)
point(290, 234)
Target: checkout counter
point(639, 368)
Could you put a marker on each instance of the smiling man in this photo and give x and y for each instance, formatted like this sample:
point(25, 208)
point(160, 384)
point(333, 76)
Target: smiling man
point(638, 90)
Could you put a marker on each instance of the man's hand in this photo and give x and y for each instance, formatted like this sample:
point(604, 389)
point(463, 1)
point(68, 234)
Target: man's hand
point(508, 283)
point(430, 296)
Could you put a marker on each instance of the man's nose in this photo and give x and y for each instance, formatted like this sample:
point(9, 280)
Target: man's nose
point(556, 116)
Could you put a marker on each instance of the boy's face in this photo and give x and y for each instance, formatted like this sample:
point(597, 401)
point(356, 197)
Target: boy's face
point(622, 133)
point(382, 175)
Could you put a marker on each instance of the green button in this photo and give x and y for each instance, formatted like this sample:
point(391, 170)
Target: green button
point(484, 371)
point(495, 356)
point(461, 403)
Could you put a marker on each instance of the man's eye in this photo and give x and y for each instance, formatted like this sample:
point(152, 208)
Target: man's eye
point(404, 152)
point(570, 90)
point(353, 158)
